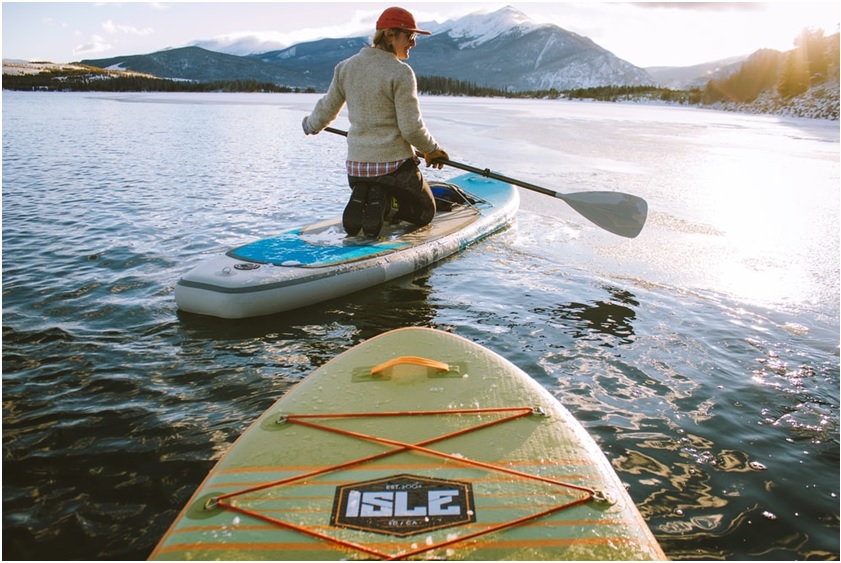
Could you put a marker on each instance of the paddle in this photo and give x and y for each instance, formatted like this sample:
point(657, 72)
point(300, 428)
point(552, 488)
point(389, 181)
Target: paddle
point(619, 213)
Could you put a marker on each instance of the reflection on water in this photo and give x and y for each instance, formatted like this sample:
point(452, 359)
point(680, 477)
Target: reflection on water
point(610, 318)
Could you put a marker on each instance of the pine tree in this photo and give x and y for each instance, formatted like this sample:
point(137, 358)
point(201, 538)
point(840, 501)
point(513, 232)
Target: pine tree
point(794, 78)
point(812, 44)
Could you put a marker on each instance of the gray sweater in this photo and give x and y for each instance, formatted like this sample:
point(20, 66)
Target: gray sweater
point(383, 109)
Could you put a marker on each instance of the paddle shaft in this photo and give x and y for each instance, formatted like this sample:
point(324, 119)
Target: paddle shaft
point(621, 214)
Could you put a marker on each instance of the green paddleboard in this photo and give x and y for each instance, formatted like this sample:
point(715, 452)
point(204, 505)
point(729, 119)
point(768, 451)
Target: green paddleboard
point(416, 444)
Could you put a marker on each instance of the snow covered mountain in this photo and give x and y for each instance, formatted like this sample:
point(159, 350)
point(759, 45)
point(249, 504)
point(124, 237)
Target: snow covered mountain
point(503, 49)
point(479, 27)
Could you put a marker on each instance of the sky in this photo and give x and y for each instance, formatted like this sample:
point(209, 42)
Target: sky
point(644, 34)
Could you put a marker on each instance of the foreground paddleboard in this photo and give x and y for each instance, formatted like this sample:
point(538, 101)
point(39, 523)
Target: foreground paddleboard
point(313, 264)
point(416, 444)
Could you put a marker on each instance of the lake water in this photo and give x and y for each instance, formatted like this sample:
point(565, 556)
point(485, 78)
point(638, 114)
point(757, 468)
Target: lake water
point(703, 355)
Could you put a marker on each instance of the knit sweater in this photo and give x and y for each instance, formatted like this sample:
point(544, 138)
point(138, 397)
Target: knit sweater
point(383, 108)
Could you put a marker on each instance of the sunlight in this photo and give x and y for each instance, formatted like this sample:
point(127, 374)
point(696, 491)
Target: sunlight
point(765, 213)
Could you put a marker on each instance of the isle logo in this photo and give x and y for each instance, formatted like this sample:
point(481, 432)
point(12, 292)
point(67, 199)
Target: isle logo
point(403, 505)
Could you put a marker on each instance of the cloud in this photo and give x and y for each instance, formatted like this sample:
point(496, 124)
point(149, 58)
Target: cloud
point(360, 23)
point(111, 27)
point(702, 6)
point(97, 44)
point(244, 43)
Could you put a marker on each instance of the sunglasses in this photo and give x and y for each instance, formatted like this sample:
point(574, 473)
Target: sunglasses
point(411, 36)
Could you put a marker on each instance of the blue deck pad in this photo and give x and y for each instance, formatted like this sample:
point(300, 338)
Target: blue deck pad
point(289, 249)
point(318, 246)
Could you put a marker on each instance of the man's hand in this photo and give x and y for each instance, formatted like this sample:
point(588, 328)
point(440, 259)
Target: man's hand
point(305, 124)
point(435, 155)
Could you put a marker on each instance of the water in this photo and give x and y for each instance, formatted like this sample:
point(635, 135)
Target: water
point(703, 355)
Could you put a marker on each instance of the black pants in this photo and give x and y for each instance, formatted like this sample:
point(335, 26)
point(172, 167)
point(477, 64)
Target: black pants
point(415, 201)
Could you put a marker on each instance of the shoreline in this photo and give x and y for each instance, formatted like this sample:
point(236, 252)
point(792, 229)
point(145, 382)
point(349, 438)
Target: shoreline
point(819, 102)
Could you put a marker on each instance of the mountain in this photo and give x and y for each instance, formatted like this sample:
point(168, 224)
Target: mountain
point(696, 76)
point(195, 63)
point(503, 49)
point(314, 60)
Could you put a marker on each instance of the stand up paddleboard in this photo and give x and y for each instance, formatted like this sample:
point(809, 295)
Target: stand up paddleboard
point(416, 444)
point(315, 263)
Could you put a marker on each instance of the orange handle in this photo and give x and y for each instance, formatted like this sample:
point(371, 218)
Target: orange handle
point(413, 360)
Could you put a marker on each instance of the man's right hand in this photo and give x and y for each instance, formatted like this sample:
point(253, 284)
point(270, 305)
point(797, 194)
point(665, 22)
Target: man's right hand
point(435, 155)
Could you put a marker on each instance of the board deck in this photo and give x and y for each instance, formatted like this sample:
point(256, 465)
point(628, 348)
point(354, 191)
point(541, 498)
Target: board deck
point(326, 244)
point(415, 444)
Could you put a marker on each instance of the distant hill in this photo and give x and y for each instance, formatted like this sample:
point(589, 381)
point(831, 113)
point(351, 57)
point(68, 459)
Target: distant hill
point(312, 62)
point(695, 76)
point(201, 65)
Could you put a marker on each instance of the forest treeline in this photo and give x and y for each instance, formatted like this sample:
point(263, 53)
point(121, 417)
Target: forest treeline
point(97, 80)
point(92, 79)
point(439, 85)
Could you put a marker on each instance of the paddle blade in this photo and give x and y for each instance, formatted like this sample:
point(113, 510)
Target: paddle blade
point(621, 214)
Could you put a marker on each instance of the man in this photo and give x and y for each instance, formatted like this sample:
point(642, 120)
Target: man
point(385, 127)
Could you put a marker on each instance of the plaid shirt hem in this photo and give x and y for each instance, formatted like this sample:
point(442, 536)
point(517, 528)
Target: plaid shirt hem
point(372, 169)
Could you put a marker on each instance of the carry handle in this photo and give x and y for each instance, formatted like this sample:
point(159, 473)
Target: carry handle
point(412, 360)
